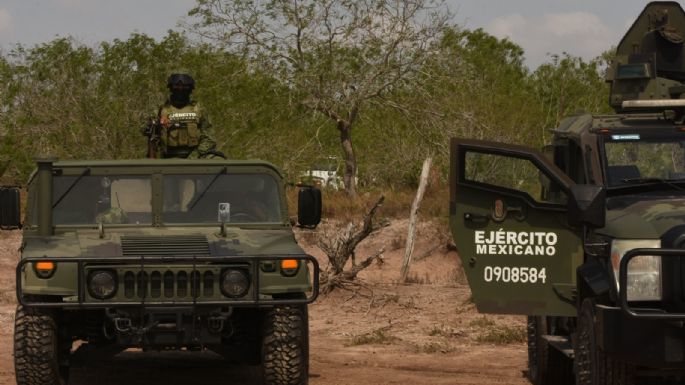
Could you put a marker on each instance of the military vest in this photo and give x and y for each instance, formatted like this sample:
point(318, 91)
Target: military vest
point(183, 129)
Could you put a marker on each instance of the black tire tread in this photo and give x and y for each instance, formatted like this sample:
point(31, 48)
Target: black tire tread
point(284, 350)
point(546, 365)
point(36, 348)
point(593, 365)
point(560, 368)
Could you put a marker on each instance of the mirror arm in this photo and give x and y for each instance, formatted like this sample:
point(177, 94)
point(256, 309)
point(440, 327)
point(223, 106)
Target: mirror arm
point(587, 246)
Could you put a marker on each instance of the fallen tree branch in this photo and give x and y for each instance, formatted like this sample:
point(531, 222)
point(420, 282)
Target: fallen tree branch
point(340, 244)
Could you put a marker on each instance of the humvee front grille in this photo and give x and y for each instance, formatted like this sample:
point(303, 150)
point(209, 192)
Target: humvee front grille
point(171, 272)
point(169, 284)
point(180, 246)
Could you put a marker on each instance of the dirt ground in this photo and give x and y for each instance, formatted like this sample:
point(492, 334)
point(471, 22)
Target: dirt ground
point(425, 332)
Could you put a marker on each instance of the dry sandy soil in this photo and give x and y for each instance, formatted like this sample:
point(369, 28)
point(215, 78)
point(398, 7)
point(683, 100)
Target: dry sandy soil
point(426, 332)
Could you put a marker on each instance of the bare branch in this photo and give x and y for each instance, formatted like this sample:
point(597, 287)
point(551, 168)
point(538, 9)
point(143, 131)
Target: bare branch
point(340, 244)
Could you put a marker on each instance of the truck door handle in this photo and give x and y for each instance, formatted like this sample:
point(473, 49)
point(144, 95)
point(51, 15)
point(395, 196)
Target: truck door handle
point(520, 213)
point(476, 217)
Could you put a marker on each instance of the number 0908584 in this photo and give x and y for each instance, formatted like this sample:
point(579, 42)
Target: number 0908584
point(514, 274)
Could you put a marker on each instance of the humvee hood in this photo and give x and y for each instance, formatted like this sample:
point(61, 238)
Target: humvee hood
point(648, 219)
point(166, 242)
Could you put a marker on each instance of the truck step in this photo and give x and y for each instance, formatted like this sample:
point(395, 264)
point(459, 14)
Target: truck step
point(560, 343)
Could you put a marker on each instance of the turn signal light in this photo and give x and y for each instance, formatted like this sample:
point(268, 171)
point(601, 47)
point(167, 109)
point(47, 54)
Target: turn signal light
point(289, 267)
point(288, 264)
point(44, 269)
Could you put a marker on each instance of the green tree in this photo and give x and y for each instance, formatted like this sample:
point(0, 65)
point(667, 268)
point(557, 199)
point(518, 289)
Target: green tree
point(569, 84)
point(336, 56)
point(65, 99)
point(474, 85)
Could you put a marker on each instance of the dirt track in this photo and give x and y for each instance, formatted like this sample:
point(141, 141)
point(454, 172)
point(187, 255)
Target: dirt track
point(422, 333)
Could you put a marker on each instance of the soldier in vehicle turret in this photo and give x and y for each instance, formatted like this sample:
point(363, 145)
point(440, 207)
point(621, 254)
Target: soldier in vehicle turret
point(181, 128)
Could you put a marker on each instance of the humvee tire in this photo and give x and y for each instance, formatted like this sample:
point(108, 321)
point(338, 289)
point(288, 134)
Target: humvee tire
point(37, 349)
point(285, 346)
point(546, 366)
point(592, 365)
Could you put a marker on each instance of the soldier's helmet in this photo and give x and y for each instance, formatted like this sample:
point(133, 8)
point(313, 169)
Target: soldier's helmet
point(180, 82)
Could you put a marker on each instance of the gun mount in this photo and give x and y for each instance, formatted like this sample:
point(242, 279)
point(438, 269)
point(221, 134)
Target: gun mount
point(648, 71)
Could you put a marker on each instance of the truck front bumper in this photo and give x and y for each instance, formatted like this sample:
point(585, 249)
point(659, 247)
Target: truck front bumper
point(647, 342)
point(645, 336)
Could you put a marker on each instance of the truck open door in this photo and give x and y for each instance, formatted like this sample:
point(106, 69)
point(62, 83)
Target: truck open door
point(508, 217)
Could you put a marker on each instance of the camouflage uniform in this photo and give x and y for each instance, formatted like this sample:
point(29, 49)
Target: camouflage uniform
point(185, 133)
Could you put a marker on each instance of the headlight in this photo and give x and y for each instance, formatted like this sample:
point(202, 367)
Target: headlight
point(102, 284)
point(234, 283)
point(644, 271)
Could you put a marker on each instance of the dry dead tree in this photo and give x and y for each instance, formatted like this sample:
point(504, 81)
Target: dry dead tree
point(339, 243)
point(413, 217)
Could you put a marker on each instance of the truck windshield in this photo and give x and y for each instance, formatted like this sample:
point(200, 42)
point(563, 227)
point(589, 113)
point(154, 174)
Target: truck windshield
point(637, 158)
point(228, 198)
point(83, 200)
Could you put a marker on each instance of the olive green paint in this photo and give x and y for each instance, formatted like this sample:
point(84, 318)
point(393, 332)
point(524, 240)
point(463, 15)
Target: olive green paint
point(87, 240)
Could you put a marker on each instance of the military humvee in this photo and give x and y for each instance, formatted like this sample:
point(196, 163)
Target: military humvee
point(587, 237)
point(161, 255)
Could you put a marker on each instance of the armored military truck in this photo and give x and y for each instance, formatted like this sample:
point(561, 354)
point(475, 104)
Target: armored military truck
point(586, 237)
point(161, 255)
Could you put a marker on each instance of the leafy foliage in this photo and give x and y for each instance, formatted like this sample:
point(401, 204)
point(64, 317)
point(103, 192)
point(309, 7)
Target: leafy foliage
point(337, 56)
point(406, 92)
point(568, 85)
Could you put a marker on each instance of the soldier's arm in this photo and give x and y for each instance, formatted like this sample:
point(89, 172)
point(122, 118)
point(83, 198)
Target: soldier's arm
point(207, 143)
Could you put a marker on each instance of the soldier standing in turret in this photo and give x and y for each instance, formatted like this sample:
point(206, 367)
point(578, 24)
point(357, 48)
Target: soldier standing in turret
point(182, 129)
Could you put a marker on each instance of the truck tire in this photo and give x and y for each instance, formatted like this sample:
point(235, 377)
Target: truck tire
point(546, 365)
point(285, 346)
point(592, 365)
point(39, 357)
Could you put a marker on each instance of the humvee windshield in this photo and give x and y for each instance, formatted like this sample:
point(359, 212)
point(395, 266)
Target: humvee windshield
point(639, 158)
point(187, 198)
point(241, 198)
point(107, 199)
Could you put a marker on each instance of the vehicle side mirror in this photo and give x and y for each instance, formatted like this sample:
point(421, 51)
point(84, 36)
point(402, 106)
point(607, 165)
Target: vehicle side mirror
point(10, 208)
point(587, 205)
point(309, 207)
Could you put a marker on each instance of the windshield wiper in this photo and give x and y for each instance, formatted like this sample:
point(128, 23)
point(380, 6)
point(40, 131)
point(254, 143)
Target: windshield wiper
point(669, 182)
point(222, 171)
point(64, 194)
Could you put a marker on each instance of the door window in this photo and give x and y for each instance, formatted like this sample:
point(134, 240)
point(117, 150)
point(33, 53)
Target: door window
point(512, 173)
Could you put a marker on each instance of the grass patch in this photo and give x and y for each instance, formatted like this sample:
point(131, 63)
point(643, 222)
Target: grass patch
point(432, 348)
point(398, 242)
point(375, 337)
point(415, 278)
point(503, 336)
point(482, 323)
point(441, 331)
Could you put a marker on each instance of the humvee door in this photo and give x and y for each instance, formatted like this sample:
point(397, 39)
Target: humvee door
point(509, 222)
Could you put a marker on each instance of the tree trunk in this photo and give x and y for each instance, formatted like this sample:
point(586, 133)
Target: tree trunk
point(413, 216)
point(350, 160)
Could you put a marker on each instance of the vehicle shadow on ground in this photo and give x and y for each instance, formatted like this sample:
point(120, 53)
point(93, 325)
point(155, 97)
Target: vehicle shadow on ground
point(167, 368)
